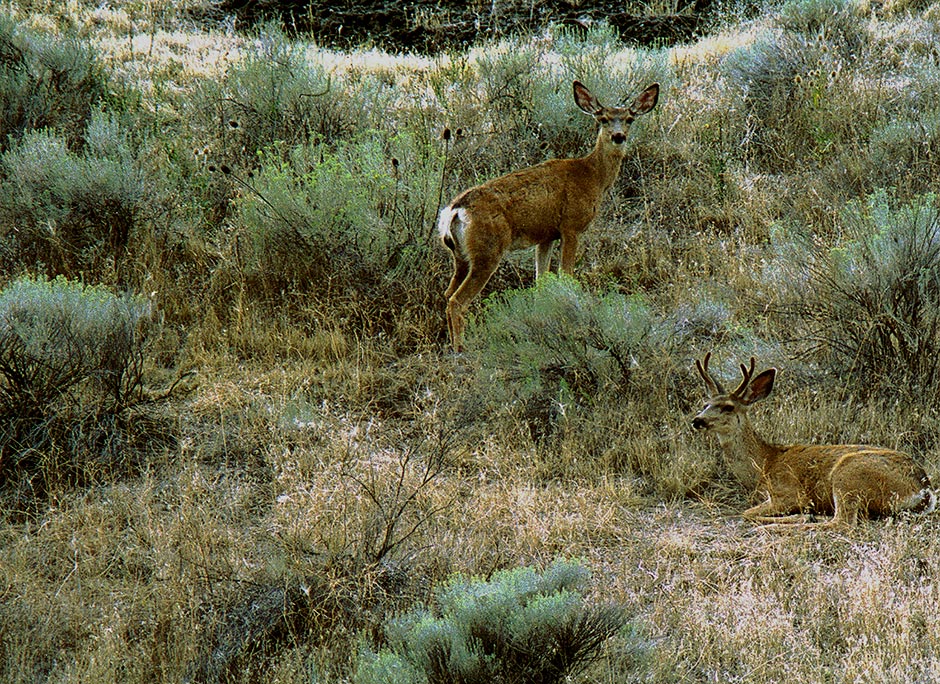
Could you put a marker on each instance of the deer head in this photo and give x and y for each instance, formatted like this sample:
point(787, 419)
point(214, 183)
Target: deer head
point(614, 122)
point(725, 413)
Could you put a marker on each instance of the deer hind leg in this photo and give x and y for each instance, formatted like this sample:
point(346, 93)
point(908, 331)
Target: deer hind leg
point(461, 268)
point(543, 257)
point(477, 276)
point(846, 505)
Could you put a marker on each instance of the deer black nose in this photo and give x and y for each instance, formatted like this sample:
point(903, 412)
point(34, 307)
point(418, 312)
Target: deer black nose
point(699, 423)
point(618, 138)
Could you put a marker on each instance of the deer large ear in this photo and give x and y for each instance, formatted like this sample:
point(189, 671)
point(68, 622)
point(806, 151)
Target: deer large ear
point(760, 386)
point(585, 99)
point(646, 100)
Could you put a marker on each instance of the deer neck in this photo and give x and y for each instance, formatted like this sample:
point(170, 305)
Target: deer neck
point(606, 158)
point(748, 454)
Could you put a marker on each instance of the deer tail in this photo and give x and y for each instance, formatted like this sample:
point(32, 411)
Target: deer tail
point(931, 501)
point(452, 238)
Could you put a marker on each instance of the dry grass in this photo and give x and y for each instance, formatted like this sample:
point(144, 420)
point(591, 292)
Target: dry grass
point(329, 462)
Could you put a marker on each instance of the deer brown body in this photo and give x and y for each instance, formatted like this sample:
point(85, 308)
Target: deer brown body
point(555, 200)
point(846, 480)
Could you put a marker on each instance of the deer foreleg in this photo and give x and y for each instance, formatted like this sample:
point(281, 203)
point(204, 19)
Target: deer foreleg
point(569, 252)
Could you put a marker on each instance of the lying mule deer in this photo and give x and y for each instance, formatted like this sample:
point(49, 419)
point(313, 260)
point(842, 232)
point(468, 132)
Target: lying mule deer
point(845, 480)
point(555, 200)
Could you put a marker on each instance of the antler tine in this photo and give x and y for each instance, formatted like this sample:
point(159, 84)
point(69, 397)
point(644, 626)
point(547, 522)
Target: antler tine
point(711, 384)
point(747, 373)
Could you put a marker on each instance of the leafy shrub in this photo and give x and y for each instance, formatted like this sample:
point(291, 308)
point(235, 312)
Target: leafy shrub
point(53, 82)
point(553, 356)
point(804, 98)
point(68, 353)
point(840, 22)
point(904, 153)
point(273, 96)
point(872, 304)
point(520, 625)
point(787, 80)
point(68, 212)
point(348, 223)
point(557, 334)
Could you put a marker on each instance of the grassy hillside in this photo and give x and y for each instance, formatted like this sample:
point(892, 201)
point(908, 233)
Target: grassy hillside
point(257, 449)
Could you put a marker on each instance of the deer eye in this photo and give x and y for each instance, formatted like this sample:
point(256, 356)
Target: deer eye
point(727, 408)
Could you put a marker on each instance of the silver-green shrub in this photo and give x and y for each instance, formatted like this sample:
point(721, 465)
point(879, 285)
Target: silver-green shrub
point(58, 334)
point(275, 95)
point(871, 303)
point(357, 212)
point(65, 212)
point(71, 362)
point(558, 333)
point(519, 626)
point(46, 82)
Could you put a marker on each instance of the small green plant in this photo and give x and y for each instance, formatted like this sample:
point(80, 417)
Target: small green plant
point(558, 332)
point(518, 626)
point(872, 303)
point(68, 353)
point(65, 212)
point(46, 81)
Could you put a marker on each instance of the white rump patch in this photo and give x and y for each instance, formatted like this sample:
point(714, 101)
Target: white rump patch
point(445, 224)
point(919, 499)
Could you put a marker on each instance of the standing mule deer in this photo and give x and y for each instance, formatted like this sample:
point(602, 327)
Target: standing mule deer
point(845, 480)
point(556, 200)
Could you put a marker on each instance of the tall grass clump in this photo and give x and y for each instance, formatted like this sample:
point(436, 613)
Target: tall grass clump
point(65, 212)
point(801, 100)
point(47, 82)
point(71, 360)
point(558, 334)
point(274, 95)
point(520, 625)
point(871, 303)
point(348, 223)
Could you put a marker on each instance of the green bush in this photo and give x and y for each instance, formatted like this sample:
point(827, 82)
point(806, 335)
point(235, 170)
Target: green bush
point(871, 305)
point(71, 358)
point(804, 84)
point(56, 334)
point(904, 153)
point(47, 82)
point(64, 212)
point(558, 335)
point(357, 215)
point(551, 358)
point(787, 80)
point(519, 626)
point(275, 95)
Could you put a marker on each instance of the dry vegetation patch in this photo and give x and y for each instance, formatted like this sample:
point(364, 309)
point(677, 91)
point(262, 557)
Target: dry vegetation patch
point(299, 459)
